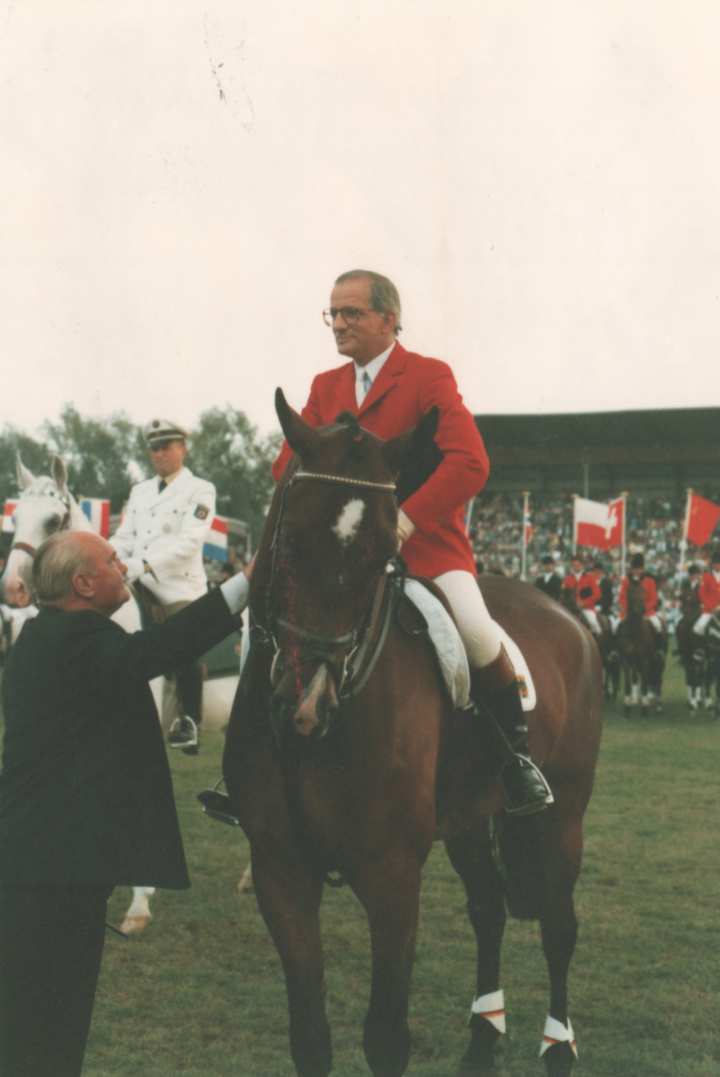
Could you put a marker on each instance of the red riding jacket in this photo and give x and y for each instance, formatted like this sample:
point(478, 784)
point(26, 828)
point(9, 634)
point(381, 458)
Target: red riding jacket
point(650, 595)
point(581, 583)
point(709, 592)
point(405, 389)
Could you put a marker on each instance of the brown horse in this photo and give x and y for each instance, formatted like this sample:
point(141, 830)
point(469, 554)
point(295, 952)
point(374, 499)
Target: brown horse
point(642, 660)
point(344, 755)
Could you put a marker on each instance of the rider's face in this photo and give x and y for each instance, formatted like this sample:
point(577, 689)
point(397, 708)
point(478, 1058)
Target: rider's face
point(167, 457)
point(370, 333)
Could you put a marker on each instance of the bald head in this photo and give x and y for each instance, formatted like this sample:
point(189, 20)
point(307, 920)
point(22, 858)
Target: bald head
point(79, 570)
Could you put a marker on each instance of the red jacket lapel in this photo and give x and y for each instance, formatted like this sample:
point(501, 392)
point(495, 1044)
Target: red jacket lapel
point(386, 380)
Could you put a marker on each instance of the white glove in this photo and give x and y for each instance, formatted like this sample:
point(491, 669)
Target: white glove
point(405, 528)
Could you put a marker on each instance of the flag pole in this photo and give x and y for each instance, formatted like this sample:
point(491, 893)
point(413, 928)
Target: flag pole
point(623, 548)
point(686, 526)
point(526, 509)
point(574, 540)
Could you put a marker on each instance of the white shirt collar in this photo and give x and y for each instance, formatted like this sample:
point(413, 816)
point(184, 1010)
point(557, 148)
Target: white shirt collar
point(373, 368)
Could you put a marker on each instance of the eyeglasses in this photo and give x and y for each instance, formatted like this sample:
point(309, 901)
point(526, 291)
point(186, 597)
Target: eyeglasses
point(350, 315)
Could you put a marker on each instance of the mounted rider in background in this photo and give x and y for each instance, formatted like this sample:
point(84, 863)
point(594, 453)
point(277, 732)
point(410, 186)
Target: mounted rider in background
point(160, 539)
point(390, 389)
point(637, 576)
point(581, 589)
point(709, 594)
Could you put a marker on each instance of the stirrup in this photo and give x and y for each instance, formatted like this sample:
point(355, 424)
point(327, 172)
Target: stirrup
point(217, 805)
point(530, 801)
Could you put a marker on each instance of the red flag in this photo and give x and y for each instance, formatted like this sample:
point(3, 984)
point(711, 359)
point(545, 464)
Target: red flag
point(8, 523)
point(528, 529)
point(702, 518)
point(597, 524)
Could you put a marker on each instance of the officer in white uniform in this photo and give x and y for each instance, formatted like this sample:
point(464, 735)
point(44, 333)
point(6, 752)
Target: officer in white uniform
point(160, 539)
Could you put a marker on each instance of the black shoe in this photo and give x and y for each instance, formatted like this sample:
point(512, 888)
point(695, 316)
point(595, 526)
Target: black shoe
point(217, 806)
point(183, 734)
point(526, 788)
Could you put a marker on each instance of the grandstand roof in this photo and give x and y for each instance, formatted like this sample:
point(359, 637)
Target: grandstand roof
point(660, 428)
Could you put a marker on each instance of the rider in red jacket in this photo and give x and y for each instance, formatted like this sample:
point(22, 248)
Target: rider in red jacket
point(390, 389)
point(583, 585)
point(637, 574)
point(709, 593)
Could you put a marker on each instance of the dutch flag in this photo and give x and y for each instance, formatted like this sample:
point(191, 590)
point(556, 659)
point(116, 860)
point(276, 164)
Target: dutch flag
point(216, 543)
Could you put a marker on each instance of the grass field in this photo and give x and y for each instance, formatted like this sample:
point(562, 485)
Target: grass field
point(201, 992)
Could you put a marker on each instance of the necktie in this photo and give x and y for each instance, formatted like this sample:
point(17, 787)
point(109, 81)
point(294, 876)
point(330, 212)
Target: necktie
point(365, 383)
point(161, 485)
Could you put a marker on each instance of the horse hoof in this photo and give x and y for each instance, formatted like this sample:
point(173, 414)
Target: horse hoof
point(559, 1060)
point(134, 925)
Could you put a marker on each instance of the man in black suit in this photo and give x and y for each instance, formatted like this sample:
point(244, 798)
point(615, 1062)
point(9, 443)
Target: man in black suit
point(86, 800)
point(549, 581)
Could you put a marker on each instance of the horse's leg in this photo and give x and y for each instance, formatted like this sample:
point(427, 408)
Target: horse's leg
point(473, 861)
point(389, 889)
point(558, 925)
point(138, 915)
point(288, 895)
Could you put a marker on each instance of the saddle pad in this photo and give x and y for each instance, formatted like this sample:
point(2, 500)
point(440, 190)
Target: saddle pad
point(451, 651)
point(445, 638)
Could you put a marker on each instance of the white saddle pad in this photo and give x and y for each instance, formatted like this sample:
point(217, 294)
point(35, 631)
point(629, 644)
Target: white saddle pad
point(451, 651)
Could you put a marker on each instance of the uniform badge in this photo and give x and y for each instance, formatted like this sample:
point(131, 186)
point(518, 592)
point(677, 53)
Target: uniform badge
point(201, 512)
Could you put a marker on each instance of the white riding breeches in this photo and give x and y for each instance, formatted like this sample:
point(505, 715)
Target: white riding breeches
point(701, 624)
point(479, 633)
point(591, 619)
point(655, 622)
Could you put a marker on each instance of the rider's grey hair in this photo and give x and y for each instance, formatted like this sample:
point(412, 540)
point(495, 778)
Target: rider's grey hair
point(57, 561)
point(384, 296)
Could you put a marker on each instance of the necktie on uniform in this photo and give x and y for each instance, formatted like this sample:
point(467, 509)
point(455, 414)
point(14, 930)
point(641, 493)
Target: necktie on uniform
point(364, 388)
point(161, 485)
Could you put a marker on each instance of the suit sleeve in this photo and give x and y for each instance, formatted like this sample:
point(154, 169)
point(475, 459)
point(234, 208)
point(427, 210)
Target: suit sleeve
point(313, 417)
point(160, 649)
point(465, 467)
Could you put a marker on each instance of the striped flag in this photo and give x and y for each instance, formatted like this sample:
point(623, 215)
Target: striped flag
point(8, 523)
point(216, 543)
point(97, 510)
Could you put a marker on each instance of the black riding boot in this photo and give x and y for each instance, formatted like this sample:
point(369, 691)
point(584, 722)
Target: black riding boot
point(526, 790)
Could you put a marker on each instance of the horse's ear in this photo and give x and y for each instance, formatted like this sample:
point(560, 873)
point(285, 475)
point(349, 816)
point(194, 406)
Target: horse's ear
point(59, 473)
point(24, 475)
point(413, 443)
point(301, 437)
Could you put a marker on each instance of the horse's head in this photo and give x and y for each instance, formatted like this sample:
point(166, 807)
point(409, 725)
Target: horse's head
point(45, 505)
point(333, 530)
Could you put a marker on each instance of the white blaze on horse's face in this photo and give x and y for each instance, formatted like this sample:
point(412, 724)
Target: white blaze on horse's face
point(349, 520)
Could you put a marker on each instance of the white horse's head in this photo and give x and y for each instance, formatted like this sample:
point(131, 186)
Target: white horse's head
point(45, 505)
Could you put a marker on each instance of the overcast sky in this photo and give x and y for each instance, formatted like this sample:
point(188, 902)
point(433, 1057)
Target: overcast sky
point(181, 182)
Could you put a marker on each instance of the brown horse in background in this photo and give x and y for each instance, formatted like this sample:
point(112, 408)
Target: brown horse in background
point(641, 657)
point(344, 754)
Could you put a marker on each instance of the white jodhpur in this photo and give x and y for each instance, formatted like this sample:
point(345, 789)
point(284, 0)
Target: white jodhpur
point(481, 635)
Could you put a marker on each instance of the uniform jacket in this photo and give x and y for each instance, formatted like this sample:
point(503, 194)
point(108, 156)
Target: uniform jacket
point(168, 530)
point(709, 592)
point(550, 583)
point(650, 595)
point(85, 791)
point(406, 388)
point(581, 583)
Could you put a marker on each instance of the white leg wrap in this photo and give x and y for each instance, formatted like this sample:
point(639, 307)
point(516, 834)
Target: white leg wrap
point(492, 1008)
point(556, 1032)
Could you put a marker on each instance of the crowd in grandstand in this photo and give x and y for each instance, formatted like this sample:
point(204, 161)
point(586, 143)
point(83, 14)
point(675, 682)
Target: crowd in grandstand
point(654, 528)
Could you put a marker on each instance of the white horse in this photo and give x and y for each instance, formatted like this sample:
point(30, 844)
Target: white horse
point(46, 505)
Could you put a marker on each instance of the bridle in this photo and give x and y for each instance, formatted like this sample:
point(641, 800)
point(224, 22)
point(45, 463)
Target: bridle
point(354, 663)
point(31, 551)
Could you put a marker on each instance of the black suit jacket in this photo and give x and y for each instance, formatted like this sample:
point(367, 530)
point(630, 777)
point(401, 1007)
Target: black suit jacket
point(551, 587)
point(85, 791)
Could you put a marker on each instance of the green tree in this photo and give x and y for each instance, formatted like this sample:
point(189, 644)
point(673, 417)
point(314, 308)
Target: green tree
point(227, 449)
point(97, 453)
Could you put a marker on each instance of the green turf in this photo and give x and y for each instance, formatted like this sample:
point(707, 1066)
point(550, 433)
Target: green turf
point(201, 992)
